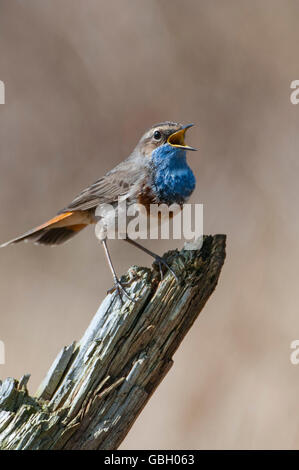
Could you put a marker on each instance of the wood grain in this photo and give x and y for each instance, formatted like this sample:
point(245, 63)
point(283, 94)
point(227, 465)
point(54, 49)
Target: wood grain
point(96, 388)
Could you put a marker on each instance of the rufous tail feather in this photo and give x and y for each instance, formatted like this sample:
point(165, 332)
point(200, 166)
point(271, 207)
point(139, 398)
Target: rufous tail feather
point(55, 231)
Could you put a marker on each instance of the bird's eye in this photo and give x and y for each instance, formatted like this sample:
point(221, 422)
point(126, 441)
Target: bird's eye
point(157, 135)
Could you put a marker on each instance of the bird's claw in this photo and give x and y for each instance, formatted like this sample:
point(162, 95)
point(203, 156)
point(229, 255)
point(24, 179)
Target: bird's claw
point(161, 261)
point(119, 288)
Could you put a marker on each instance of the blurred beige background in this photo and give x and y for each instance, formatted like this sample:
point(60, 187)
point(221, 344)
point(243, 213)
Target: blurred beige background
point(84, 79)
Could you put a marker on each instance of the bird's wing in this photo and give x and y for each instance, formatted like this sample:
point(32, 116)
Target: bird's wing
point(122, 182)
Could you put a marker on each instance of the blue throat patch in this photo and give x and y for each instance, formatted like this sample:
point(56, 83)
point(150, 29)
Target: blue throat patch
point(173, 179)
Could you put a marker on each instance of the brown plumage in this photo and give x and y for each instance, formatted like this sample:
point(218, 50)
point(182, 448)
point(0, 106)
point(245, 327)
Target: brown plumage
point(131, 181)
point(124, 181)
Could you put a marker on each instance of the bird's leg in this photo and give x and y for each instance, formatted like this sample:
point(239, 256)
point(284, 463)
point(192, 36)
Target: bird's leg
point(118, 286)
point(157, 258)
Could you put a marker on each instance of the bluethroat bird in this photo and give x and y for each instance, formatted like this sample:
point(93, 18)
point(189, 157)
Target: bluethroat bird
point(156, 172)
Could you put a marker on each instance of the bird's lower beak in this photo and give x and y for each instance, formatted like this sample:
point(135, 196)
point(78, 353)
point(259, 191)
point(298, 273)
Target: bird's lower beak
point(178, 139)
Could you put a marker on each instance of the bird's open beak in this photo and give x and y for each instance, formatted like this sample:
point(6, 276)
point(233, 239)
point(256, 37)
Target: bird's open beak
point(178, 139)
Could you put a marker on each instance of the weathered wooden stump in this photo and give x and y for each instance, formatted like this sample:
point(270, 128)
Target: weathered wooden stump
point(97, 387)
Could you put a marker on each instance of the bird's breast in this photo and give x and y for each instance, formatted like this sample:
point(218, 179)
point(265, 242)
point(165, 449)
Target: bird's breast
point(146, 196)
point(172, 179)
point(173, 185)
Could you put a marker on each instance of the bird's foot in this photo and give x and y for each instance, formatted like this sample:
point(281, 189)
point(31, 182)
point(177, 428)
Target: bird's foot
point(119, 288)
point(162, 262)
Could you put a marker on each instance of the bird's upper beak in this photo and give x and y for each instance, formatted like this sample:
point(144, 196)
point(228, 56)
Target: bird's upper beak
point(177, 139)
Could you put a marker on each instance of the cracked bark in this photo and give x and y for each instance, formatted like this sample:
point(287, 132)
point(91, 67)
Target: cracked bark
point(96, 388)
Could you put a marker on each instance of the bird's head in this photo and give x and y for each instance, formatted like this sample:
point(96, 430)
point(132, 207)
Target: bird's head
point(167, 134)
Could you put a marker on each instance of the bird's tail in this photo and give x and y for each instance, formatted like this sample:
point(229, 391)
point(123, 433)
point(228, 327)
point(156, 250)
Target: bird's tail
point(55, 231)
